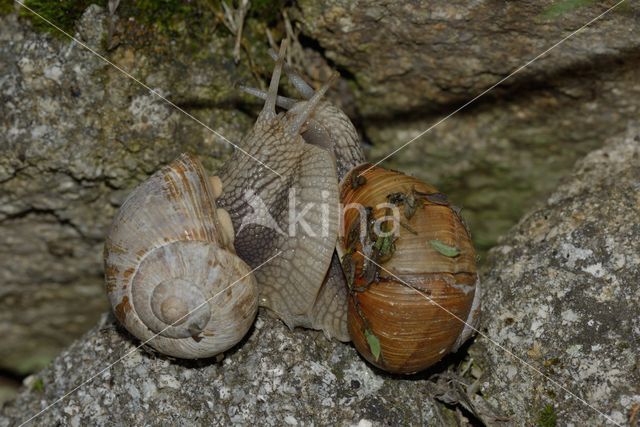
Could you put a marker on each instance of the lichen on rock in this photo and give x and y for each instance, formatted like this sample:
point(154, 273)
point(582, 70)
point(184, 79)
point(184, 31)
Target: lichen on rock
point(562, 291)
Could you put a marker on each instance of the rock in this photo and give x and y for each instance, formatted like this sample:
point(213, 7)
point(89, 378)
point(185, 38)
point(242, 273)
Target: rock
point(562, 293)
point(76, 136)
point(276, 377)
point(406, 56)
point(412, 64)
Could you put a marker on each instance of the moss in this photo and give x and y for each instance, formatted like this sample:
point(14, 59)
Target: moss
point(157, 22)
point(193, 21)
point(165, 15)
point(62, 13)
point(560, 8)
point(547, 417)
point(38, 385)
point(6, 7)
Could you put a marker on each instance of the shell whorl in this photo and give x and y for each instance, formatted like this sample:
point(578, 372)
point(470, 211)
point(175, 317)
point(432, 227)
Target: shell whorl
point(172, 276)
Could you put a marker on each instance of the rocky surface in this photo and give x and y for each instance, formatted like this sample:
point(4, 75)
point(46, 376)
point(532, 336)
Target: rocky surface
point(410, 55)
point(410, 64)
point(562, 293)
point(76, 136)
point(277, 377)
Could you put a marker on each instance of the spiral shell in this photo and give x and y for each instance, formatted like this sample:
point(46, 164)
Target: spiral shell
point(412, 292)
point(172, 275)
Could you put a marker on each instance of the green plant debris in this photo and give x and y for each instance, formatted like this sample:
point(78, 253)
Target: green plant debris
point(38, 385)
point(548, 417)
point(374, 344)
point(444, 249)
point(562, 7)
point(384, 245)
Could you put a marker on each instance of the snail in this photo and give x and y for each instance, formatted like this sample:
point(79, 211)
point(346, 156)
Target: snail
point(189, 258)
point(172, 275)
point(414, 290)
point(167, 304)
point(312, 144)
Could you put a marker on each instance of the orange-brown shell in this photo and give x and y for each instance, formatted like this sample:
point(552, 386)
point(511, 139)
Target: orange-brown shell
point(417, 304)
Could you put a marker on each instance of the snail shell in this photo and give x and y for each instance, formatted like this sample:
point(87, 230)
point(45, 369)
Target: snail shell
point(172, 275)
point(392, 325)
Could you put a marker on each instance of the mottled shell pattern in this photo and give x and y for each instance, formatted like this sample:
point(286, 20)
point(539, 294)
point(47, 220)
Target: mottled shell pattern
point(172, 275)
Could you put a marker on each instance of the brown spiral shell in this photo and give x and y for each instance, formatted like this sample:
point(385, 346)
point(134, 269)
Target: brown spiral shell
point(172, 276)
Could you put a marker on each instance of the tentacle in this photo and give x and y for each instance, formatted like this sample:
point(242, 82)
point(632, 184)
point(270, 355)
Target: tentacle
point(281, 101)
point(296, 79)
point(269, 109)
point(306, 108)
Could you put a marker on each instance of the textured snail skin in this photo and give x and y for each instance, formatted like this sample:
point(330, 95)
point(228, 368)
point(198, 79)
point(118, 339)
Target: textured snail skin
point(169, 267)
point(330, 128)
point(304, 286)
point(289, 283)
point(327, 126)
point(414, 331)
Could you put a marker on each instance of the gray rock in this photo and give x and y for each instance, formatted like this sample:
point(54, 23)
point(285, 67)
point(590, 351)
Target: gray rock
point(76, 136)
point(405, 56)
point(277, 377)
point(562, 293)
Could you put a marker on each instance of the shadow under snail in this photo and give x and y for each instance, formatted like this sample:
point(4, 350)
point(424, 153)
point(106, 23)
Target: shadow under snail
point(180, 252)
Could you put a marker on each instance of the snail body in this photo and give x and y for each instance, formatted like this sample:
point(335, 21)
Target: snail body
point(414, 293)
point(169, 263)
point(307, 145)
